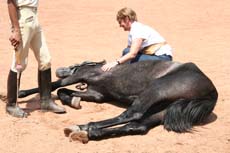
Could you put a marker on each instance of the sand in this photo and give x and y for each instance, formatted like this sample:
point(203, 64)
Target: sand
point(82, 30)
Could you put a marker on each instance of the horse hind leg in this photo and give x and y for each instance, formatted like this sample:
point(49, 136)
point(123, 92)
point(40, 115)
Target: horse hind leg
point(132, 128)
point(140, 127)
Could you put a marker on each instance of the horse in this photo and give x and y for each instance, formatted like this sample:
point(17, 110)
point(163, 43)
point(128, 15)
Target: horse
point(173, 94)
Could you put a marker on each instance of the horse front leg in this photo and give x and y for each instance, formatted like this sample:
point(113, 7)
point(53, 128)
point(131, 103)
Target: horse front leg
point(131, 114)
point(25, 93)
point(139, 107)
point(54, 85)
point(72, 98)
point(83, 130)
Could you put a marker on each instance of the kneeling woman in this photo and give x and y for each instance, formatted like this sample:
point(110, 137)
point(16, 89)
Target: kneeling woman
point(144, 43)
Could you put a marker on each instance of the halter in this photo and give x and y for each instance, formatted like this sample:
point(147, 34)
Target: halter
point(64, 72)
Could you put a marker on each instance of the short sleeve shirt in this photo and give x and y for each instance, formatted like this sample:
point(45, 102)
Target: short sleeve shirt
point(150, 36)
point(27, 3)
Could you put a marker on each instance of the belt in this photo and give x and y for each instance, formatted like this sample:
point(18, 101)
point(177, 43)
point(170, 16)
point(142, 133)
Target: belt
point(153, 48)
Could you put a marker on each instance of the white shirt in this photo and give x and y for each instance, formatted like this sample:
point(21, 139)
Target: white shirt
point(150, 36)
point(27, 3)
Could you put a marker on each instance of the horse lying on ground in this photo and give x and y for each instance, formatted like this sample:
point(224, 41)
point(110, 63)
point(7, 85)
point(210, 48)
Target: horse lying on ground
point(176, 95)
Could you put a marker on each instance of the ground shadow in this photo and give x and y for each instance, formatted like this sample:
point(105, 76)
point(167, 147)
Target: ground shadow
point(33, 104)
point(211, 118)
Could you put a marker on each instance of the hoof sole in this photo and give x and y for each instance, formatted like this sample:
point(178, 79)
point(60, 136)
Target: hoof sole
point(75, 103)
point(81, 136)
point(73, 128)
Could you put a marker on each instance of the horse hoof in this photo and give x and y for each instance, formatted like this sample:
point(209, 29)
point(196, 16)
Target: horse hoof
point(81, 136)
point(75, 102)
point(73, 128)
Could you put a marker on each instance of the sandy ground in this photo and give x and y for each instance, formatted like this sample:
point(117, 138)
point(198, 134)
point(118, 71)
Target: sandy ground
point(87, 30)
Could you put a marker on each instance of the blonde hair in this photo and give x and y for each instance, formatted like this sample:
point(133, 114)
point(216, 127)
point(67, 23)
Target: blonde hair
point(126, 12)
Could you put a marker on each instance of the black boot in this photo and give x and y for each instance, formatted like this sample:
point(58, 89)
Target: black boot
point(11, 106)
point(44, 82)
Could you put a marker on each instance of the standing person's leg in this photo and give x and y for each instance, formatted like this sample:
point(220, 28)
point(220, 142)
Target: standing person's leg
point(12, 88)
point(41, 52)
point(13, 81)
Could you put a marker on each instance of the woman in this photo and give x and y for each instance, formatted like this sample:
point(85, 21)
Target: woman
point(144, 43)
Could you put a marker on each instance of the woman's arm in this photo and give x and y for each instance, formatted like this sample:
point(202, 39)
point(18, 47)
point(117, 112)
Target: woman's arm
point(134, 49)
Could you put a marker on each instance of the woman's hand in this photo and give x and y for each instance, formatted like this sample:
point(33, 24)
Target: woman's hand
point(108, 66)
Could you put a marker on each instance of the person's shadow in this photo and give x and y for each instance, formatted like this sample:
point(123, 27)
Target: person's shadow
point(33, 104)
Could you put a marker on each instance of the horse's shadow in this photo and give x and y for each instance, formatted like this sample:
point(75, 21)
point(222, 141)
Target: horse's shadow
point(211, 118)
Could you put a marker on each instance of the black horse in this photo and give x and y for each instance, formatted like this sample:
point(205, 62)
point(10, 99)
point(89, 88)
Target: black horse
point(176, 95)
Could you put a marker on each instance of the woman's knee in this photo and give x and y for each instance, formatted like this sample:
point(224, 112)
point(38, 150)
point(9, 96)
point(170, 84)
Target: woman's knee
point(125, 51)
point(166, 57)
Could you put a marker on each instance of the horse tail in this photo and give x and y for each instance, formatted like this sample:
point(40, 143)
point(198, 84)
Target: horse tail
point(184, 113)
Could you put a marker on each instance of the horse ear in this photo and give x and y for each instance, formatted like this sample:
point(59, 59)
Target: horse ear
point(93, 63)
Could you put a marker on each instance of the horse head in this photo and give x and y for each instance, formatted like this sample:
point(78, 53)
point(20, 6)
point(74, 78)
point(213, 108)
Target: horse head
point(64, 72)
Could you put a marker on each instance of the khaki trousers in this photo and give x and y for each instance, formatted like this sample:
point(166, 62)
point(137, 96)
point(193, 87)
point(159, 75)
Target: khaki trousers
point(32, 38)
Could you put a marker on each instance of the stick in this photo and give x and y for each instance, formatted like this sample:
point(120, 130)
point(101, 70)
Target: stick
point(19, 69)
point(19, 72)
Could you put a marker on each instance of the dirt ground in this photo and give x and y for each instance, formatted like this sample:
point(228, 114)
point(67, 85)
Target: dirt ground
point(76, 31)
